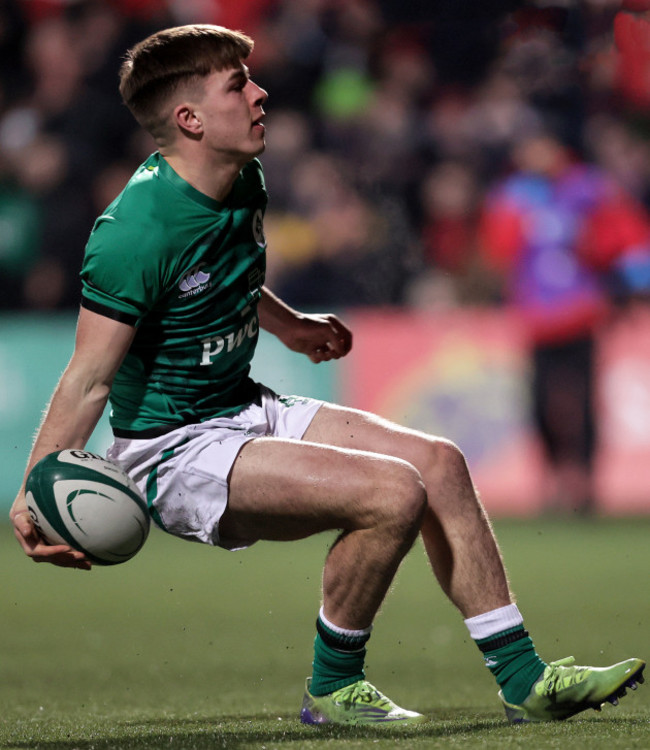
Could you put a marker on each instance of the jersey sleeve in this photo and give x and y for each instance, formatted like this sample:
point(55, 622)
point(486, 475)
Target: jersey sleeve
point(119, 276)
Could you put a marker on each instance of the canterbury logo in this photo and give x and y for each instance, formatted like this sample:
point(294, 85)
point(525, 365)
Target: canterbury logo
point(194, 279)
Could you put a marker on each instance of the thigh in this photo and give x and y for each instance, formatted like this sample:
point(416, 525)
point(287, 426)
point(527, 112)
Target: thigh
point(359, 430)
point(289, 489)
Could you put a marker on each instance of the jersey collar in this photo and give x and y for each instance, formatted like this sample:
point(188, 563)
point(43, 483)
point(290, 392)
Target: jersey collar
point(184, 187)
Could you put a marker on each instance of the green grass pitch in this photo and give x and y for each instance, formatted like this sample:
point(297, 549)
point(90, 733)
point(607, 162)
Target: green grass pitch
point(189, 647)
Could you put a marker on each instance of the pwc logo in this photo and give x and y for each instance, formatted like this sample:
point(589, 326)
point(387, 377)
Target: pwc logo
point(194, 281)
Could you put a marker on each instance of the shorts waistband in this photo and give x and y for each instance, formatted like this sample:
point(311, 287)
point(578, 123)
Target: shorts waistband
point(152, 432)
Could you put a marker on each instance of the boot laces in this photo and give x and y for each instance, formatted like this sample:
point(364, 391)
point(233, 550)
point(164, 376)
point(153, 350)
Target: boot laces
point(362, 692)
point(559, 678)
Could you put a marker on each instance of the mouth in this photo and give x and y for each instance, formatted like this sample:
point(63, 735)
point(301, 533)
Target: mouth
point(258, 124)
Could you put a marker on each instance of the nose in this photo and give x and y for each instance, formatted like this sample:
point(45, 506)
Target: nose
point(258, 94)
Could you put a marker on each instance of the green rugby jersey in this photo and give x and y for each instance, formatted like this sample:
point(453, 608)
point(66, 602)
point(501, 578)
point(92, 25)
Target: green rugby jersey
point(187, 271)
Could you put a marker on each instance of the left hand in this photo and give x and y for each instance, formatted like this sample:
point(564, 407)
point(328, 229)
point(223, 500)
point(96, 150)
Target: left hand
point(320, 337)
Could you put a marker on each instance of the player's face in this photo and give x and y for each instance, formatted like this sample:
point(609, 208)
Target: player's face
point(231, 111)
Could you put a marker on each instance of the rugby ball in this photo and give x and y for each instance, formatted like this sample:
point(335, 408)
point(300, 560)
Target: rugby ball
point(84, 501)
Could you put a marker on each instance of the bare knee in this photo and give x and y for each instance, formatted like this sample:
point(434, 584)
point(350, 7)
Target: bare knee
point(435, 457)
point(451, 491)
point(447, 458)
point(399, 500)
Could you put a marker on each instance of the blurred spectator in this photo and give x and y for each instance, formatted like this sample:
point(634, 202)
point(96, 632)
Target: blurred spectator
point(13, 33)
point(291, 138)
point(20, 238)
point(498, 116)
point(57, 133)
point(289, 49)
point(449, 203)
point(556, 231)
point(449, 197)
point(632, 29)
point(360, 252)
point(388, 138)
point(621, 152)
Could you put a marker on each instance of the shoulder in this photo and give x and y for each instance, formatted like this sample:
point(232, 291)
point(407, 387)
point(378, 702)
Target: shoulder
point(117, 241)
point(144, 199)
point(131, 247)
point(137, 223)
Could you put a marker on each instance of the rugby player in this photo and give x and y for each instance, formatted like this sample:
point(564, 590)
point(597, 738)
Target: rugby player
point(172, 301)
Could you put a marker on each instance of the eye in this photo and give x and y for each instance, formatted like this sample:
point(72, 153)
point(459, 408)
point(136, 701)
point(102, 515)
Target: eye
point(239, 84)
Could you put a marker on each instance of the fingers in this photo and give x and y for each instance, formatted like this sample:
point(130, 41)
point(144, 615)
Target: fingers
point(35, 548)
point(23, 523)
point(321, 354)
point(338, 343)
point(342, 339)
point(332, 350)
point(61, 556)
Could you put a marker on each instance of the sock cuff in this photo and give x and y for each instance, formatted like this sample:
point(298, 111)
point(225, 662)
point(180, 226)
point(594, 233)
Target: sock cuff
point(493, 622)
point(342, 631)
point(341, 639)
point(492, 643)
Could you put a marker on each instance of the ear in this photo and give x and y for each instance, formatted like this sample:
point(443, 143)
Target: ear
point(187, 120)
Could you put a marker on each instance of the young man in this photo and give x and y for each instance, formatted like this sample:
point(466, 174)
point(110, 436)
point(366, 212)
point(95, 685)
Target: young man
point(173, 296)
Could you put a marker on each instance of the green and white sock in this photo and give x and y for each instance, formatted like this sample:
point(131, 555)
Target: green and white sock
point(339, 656)
point(508, 651)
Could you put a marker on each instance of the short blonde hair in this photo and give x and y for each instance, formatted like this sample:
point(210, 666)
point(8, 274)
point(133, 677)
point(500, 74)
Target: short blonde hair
point(155, 67)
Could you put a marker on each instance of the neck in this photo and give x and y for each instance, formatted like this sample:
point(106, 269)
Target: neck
point(212, 179)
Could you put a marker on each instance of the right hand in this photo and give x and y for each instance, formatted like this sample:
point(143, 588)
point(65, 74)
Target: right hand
point(35, 547)
point(321, 337)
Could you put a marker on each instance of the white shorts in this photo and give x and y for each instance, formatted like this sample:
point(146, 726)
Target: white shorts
point(183, 474)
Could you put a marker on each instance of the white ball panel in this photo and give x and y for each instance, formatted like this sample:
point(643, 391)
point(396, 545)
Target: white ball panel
point(104, 520)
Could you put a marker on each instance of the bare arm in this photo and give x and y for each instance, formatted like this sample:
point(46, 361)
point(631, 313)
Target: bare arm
point(320, 337)
point(76, 406)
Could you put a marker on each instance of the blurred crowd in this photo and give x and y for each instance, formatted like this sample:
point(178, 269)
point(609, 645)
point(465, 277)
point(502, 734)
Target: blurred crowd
point(392, 131)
